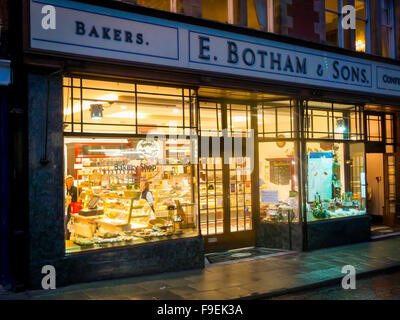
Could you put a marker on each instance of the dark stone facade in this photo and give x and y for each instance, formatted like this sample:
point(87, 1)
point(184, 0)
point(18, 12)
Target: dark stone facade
point(46, 208)
point(277, 235)
point(164, 256)
point(338, 232)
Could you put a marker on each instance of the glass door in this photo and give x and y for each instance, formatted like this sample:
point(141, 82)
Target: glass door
point(211, 196)
point(240, 194)
point(225, 184)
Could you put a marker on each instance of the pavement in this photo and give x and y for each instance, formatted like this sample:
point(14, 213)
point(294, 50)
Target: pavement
point(384, 286)
point(251, 279)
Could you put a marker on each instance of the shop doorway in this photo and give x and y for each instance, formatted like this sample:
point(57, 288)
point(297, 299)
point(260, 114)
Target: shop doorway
point(225, 178)
point(381, 174)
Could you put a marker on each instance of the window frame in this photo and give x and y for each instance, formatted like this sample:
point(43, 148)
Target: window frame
point(390, 27)
point(340, 29)
point(367, 20)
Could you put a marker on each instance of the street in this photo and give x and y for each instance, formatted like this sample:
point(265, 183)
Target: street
point(379, 287)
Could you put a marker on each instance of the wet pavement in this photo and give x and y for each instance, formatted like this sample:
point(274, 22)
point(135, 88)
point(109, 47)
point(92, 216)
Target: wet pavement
point(380, 287)
point(258, 278)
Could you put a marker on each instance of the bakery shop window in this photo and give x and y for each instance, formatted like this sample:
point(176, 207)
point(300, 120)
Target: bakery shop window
point(336, 185)
point(276, 119)
point(278, 182)
point(334, 121)
point(127, 191)
point(104, 106)
point(129, 172)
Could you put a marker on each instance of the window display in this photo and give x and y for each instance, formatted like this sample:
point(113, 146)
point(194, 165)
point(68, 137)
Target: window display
point(336, 185)
point(278, 182)
point(127, 191)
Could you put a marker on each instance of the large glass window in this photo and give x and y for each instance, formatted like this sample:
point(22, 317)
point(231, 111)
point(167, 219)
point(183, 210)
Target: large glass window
point(336, 185)
point(135, 188)
point(325, 120)
point(276, 119)
point(126, 107)
point(127, 191)
point(278, 181)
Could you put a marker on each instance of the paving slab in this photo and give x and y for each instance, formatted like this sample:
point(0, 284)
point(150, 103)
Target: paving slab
point(249, 279)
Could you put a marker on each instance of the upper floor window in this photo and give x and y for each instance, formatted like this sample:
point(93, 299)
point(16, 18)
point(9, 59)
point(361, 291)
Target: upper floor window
point(217, 10)
point(361, 7)
point(260, 15)
point(333, 24)
point(387, 37)
point(166, 5)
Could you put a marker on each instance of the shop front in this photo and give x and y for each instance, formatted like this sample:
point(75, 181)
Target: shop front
point(196, 137)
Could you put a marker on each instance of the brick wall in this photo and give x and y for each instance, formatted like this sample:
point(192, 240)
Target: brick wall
point(302, 19)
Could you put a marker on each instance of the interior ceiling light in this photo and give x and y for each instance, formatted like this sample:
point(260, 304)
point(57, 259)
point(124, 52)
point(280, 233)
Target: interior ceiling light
point(340, 126)
point(126, 114)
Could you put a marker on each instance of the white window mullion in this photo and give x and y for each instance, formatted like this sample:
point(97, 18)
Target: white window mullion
point(231, 12)
point(270, 15)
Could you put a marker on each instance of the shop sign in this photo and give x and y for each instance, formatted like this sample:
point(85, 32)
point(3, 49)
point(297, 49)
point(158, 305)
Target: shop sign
point(94, 31)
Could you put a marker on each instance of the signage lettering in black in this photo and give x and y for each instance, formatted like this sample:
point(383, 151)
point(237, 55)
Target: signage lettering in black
point(346, 73)
point(105, 33)
point(262, 54)
point(117, 35)
point(245, 56)
point(128, 36)
point(232, 52)
point(93, 33)
point(204, 48)
point(275, 61)
point(251, 57)
point(139, 38)
point(80, 28)
point(391, 80)
point(301, 67)
point(108, 33)
point(288, 65)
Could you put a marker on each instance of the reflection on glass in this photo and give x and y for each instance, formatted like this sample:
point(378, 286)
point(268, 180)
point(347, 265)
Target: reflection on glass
point(252, 19)
point(215, 10)
point(332, 25)
point(360, 9)
point(336, 184)
point(331, 4)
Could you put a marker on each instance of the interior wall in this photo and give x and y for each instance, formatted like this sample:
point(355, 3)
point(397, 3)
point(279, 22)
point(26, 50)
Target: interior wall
point(375, 187)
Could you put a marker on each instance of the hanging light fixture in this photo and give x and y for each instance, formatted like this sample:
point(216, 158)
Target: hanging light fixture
point(340, 126)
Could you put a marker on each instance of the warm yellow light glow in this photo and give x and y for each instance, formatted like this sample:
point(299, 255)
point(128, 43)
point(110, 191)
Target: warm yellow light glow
point(360, 45)
point(77, 107)
point(109, 97)
point(126, 114)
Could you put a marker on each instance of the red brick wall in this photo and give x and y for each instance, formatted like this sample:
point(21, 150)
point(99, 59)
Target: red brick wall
point(304, 19)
